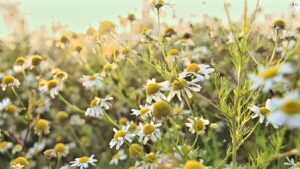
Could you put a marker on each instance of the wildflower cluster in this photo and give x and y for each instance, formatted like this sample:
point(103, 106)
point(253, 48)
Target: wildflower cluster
point(151, 95)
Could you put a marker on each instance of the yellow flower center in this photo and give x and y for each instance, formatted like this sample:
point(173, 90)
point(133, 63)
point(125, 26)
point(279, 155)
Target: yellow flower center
point(135, 150)
point(298, 164)
point(52, 84)
point(78, 48)
point(92, 77)
point(107, 67)
point(161, 109)
point(18, 147)
point(152, 88)
point(42, 124)
point(3, 144)
point(179, 84)
point(11, 108)
point(59, 148)
point(83, 159)
point(36, 60)
point(106, 27)
point(120, 133)
point(132, 126)
point(148, 129)
point(193, 164)
point(193, 67)
point(264, 111)
point(179, 110)
point(291, 107)
point(151, 157)
point(8, 79)
point(61, 116)
point(20, 60)
point(270, 72)
point(123, 120)
point(94, 102)
point(117, 156)
point(64, 39)
point(131, 17)
point(173, 52)
point(144, 110)
point(198, 125)
point(21, 160)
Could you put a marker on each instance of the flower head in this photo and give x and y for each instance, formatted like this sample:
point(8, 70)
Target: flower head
point(83, 162)
point(9, 81)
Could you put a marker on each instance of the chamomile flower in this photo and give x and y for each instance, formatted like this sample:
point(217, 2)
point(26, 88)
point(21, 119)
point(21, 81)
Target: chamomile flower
point(41, 127)
point(200, 71)
point(61, 150)
point(197, 125)
point(181, 86)
point(268, 76)
point(92, 81)
point(108, 68)
point(174, 54)
point(83, 162)
point(59, 74)
point(193, 164)
point(98, 105)
point(179, 109)
point(143, 112)
point(4, 146)
point(120, 155)
point(286, 110)
point(149, 131)
point(292, 164)
point(120, 137)
point(263, 113)
point(35, 60)
point(9, 81)
point(154, 90)
point(157, 4)
point(19, 163)
point(20, 64)
point(52, 87)
point(36, 149)
point(149, 162)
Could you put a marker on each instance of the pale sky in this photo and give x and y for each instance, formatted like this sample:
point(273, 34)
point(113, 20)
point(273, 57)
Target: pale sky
point(80, 14)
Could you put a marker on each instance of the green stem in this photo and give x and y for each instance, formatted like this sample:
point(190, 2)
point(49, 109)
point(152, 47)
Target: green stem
point(78, 140)
point(72, 106)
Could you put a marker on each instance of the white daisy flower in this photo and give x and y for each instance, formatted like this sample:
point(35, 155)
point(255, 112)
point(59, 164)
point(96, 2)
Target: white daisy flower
point(52, 87)
point(149, 131)
point(268, 76)
point(120, 137)
point(9, 81)
point(4, 103)
point(200, 71)
point(263, 113)
point(154, 90)
point(179, 109)
point(286, 110)
point(83, 162)
point(21, 64)
point(61, 150)
point(150, 161)
point(197, 125)
point(143, 112)
point(181, 86)
point(19, 163)
point(92, 81)
point(292, 164)
point(120, 155)
point(98, 105)
point(4, 146)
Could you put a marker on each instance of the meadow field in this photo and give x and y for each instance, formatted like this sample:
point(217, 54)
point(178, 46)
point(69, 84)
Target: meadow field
point(144, 93)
